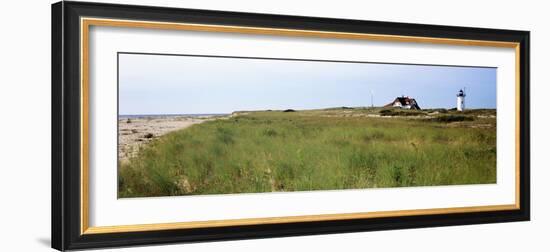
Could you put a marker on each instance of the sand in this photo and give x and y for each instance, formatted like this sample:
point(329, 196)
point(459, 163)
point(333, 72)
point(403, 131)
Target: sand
point(136, 132)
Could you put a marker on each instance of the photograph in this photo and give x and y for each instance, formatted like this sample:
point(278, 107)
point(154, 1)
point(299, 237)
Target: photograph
point(175, 124)
point(221, 124)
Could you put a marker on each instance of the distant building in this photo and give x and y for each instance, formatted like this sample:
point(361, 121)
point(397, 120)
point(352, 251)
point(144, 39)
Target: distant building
point(404, 102)
point(460, 100)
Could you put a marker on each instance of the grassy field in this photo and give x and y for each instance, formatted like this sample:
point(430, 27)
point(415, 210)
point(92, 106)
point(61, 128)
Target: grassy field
point(339, 148)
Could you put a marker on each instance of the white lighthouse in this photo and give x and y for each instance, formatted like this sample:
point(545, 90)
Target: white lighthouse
point(460, 100)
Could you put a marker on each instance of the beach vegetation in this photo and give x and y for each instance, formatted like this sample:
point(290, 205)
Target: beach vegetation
point(332, 149)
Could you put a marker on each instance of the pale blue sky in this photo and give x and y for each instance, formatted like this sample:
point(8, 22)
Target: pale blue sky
point(162, 84)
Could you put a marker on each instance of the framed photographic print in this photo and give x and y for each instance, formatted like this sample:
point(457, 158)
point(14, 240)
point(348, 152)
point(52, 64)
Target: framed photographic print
point(181, 125)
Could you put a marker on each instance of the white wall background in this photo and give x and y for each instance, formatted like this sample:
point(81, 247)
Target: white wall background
point(25, 125)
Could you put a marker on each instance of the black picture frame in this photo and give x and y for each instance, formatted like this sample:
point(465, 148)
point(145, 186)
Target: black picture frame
point(66, 114)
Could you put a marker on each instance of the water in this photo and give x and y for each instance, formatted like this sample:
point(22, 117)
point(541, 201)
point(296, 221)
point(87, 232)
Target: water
point(168, 115)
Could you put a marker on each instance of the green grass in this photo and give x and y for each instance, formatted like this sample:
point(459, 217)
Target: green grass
point(313, 150)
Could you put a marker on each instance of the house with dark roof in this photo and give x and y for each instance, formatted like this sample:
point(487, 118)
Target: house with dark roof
point(404, 102)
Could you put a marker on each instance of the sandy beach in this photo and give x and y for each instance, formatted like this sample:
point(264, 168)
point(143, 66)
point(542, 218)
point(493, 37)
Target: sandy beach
point(133, 133)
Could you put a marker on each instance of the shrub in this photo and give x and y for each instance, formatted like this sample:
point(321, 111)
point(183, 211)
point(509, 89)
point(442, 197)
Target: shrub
point(453, 118)
point(387, 112)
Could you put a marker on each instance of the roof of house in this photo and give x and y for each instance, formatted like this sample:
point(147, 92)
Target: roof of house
point(405, 101)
